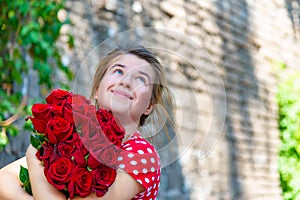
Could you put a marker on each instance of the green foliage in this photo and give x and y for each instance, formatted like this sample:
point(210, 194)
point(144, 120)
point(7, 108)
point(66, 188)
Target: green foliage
point(288, 98)
point(29, 31)
point(37, 140)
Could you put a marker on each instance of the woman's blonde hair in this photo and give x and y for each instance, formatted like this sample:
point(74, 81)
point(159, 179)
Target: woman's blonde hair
point(161, 94)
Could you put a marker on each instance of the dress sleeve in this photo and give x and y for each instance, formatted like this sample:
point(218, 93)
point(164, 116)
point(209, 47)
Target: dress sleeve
point(140, 159)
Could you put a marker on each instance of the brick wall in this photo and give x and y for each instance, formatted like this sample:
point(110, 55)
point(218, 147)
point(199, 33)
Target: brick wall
point(220, 59)
point(227, 112)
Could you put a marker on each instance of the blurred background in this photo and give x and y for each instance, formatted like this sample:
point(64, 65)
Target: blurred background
point(233, 66)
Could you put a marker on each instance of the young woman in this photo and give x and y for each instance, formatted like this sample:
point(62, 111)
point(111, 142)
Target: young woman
point(130, 83)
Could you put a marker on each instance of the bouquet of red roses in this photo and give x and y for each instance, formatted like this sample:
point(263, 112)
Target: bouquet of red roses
point(77, 143)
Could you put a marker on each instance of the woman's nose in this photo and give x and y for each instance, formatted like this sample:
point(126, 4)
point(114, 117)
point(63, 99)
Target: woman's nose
point(126, 81)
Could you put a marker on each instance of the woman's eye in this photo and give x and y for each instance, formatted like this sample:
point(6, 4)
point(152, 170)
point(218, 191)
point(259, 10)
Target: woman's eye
point(142, 79)
point(118, 71)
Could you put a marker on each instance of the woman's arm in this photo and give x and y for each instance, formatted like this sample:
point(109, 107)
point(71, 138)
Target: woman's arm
point(41, 189)
point(10, 185)
point(124, 188)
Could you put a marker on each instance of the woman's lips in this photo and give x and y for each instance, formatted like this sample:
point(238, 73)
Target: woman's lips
point(122, 93)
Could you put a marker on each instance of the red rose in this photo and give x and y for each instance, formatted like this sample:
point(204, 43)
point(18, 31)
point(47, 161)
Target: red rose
point(41, 111)
point(75, 108)
point(57, 110)
point(78, 100)
point(103, 177)
point(79, 156)
point(107, 156)
point(58, 129)
point(38, 124)
point(57, 96)
point(45, 151)
point(65, 150)
point(111, 135)
point(81, 183)
point(83, 117)
point(90, 132)
point(118, 130)
point(93, 162)
point(59, 173)
point(67, 109)
point(104, 115)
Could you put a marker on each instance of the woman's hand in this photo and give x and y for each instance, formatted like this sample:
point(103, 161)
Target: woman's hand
point(10, 185)
point(124, 188)
point(41, 189)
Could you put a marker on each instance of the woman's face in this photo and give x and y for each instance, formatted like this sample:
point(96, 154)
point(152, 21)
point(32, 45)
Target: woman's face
point(126, 88)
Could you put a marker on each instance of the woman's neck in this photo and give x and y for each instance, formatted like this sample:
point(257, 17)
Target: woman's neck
point(129, 126)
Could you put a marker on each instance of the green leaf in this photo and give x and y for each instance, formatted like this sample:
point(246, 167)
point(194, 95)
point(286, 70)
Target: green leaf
point(35, 142)
point(3, 140)
point(11, 14)
point(24, 175)
point(34, 36)
point(24, 178)
point(12, 130)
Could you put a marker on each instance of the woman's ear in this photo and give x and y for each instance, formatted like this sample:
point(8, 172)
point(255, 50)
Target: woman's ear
point(149, 109)
point(96, 94)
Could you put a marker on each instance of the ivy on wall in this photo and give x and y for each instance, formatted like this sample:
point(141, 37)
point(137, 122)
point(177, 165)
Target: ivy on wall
point(288, 98)
point(29, 31)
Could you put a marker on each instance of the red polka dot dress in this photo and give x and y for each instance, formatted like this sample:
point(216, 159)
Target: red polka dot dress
point(142, 162)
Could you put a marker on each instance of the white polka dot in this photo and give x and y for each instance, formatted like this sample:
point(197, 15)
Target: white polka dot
point(120, 158)
point(155, 192)
point(140, 142)
point(122, 166)
point(147, 180)
point(152, 160)
point(135, 172)
point(150, 199)
point(130, 155)
point(145, 171)
point(153, 178)
point(128, 148)
point(148, 194)
point(140, 181)
point(152, 169)
point(144, 161)
point(133, 162)
point(140, 151)
point(154, 186)
point(149, 150)
point(126, 145)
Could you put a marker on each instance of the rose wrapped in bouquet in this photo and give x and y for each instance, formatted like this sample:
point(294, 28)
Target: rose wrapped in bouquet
point(77, 143)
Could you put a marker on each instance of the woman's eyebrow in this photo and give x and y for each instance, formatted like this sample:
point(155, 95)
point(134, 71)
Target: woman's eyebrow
point(117, 65)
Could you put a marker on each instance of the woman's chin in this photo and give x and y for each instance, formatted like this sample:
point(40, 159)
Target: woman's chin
point(120, 110)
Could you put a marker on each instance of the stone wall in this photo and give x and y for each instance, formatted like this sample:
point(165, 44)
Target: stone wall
point(227, 119)
point(221, 60)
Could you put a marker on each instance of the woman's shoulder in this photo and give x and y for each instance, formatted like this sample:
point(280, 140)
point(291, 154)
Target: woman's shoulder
point(140, 159)
point(137, 144)
point(137, 153)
